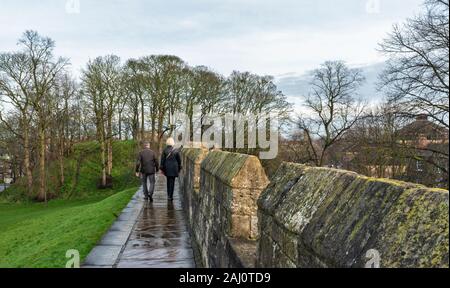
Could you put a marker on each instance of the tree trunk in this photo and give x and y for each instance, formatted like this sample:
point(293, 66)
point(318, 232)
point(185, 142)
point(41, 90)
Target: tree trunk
point(26, 160)
point(42, 177)
point(152, 135)
point(77, 174)
point(120, 125)
point(103, 159)
point(14, 173)
point(136, 129)
point(110, 156)
point(61, 162)
point(109, 148)
point(322, 158)
point(142, 120)
point(160, 132)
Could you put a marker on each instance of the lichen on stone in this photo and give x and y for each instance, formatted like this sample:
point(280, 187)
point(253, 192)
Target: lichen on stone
point(339, 215)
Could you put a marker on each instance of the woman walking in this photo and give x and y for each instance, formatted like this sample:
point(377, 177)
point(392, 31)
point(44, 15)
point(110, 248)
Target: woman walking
point(170, 166)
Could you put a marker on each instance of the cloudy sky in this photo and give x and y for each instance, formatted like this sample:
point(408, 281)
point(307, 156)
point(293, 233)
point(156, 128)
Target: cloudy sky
point(284, 38)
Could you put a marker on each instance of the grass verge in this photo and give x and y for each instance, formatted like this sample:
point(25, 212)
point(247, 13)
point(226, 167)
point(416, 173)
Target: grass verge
point(32, 235)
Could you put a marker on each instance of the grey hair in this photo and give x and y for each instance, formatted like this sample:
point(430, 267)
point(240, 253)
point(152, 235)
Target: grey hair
point(170, 142)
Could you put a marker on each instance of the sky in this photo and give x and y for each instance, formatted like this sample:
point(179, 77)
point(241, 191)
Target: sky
point(283, 38)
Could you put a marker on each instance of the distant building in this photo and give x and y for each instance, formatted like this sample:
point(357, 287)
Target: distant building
point(421, 157)
point(431, 143)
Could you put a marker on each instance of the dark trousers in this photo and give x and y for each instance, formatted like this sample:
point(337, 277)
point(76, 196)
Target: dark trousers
point(148, 182)
point(170, 186)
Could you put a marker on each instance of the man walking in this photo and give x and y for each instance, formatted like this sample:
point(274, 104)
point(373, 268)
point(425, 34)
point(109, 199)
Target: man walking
point(146, 167)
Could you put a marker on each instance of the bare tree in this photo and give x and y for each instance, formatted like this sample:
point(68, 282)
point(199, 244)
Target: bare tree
point(8, 145)
point(64, 92)
point(112, 77)
point(92, 86)
point(15, 82)
point(27, 80)
point(250, 94)
point(44, 70)
point(333, 106)
point(103, 86)
point(44, 109)
point(206, 89)
point(374, 144)
point(417, 75)
point(165, 84)
point(416, 79)
point(136, 90)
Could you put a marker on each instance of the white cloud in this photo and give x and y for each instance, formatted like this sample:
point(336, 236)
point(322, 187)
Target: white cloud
point(297, 86)
point(266, 37)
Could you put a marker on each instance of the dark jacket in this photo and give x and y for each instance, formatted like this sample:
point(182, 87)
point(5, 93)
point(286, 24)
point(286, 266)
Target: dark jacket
point(170, 162)
point(147, 162)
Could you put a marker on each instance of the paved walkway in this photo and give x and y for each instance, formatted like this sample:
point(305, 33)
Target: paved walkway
point(160, 238)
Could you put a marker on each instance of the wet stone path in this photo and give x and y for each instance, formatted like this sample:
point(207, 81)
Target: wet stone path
point(160, 237)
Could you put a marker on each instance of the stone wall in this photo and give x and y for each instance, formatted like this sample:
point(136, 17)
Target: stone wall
point(309, 217)
point(220, 191)
point(190, 180)
point(319, 217)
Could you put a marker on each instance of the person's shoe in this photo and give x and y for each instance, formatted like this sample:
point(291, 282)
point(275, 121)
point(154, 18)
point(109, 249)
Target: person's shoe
point(146, 198)
point(151, 199)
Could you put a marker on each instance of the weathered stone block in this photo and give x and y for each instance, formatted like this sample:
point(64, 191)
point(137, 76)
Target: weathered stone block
point(244, 201)
point(264, 248)
point(320, 217)
point(225, 205)
point(415, 231)
point(254, 227)
point(240, 226)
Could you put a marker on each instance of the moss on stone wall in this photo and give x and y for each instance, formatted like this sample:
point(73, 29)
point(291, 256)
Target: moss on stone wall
point(312, 217)
point(224, 209)
point(224, 165)
point(337, 216)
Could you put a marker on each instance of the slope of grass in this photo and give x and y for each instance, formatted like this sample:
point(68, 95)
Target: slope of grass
point(32, 235)
point(38, 235)
point(85, 160)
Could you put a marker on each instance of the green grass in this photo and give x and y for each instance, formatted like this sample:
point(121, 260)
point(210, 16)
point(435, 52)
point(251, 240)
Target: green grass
point(86, 156)
point(38, 235)
point(32, 235)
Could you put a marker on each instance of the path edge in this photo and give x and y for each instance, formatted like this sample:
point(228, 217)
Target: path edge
point(107, 251)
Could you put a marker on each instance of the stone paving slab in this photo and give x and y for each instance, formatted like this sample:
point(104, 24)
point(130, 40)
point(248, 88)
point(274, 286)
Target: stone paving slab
point(166, 253)
point(156, 264)
point(103, 255)
point(107, 251)
point(122, 226)
point(160, 237)
point(127, 216)
point(115, 238)
point(146, 235)
point(154, 227)
point(159, 234)
point(159, 243)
